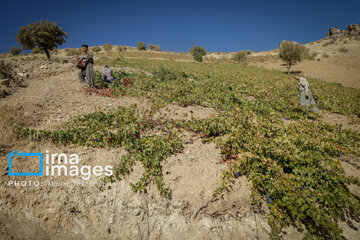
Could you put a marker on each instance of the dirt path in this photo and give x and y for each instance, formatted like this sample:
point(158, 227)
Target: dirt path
point(50, 101)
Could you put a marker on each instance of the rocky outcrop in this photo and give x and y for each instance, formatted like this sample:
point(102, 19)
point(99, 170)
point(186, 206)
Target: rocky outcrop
point(14, 73)
point(351, 30)
point(336, 32)
point(9, 79)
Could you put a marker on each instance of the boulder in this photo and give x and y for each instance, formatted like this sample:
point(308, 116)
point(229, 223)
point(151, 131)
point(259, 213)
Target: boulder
point(353, 29)
point(334, 31)
point(5, 82)
point(24, 75)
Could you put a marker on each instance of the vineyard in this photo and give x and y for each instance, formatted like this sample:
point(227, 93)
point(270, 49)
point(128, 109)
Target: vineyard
point(294, 167)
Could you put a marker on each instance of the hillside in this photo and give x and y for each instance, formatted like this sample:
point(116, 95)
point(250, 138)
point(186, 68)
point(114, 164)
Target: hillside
point(335, 60)
point(212, 150)
point(331, 59)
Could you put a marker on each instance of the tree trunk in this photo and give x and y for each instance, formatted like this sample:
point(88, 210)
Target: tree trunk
point(288, 68)
point(47, 53)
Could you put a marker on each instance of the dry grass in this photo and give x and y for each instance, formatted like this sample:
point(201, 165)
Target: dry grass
point(333, 63)
point(265, 58)
point(149, 54)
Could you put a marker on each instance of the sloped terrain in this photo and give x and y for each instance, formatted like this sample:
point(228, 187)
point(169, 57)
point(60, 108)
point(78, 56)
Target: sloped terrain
point(89, 212)
point(193, 119)
point(334, 60)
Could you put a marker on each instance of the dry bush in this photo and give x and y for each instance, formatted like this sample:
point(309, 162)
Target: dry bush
point(265, 58)
point(73, 51)
point(239, 56)
point(121, 48)
point(96, 49)
point(343, 49)
point(332, 41)
point(107, 47)
point(154, 47)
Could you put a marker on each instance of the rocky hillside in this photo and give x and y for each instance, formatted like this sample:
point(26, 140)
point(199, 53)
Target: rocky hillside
point(351, 30)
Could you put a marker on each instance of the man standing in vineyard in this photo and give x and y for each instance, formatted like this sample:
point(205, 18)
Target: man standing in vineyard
point(88, 71)
point(306, 97)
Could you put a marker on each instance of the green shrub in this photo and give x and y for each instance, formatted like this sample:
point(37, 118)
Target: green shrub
point(239, 56)
point(248, 52)
point(15, 51)
point(35, 50)
point(96, 49)
point(154, 47)
point(325, 55)
point(197, 52)
point(141, 46)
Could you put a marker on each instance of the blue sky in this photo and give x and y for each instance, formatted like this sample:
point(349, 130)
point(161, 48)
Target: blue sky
point(178, 25)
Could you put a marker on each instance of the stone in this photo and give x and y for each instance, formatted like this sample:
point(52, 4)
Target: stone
point(353, 29)
point(24, 75)
point(334, 31)
point(5, 82)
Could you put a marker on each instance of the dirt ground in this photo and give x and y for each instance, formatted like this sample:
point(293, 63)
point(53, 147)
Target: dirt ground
point(76, 209)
